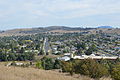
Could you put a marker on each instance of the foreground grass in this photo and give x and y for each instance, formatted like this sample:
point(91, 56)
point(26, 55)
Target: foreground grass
point(18, 73)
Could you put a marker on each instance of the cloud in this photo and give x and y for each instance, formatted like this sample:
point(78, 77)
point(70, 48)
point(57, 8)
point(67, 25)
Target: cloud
point(35, 11)
point(60, 8)
point(75, 8)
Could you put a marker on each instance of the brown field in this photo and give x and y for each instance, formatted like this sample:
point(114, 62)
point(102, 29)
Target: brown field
point(64, 31)
point(17, 32)
point(106, 30)
point(19, 73)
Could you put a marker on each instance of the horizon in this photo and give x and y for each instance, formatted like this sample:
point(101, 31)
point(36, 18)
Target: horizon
point(42, 13)
point(54, 25)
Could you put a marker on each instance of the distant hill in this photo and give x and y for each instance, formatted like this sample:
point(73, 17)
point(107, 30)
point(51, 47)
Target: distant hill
point(29, 31)
point(57, 29)
point(64, 28)
point(1, 31)
point(105, 27)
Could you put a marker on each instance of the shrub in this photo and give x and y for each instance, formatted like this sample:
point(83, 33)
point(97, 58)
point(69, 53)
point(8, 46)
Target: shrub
point(116, 72)
point(39, 65)
point(68, 67)
point(91, 68)
point(47, 63)
point(57, 64)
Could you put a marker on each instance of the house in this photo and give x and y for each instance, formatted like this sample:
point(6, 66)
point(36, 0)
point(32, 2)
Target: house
point(16, 63)
point(67, 54)
point(19, 64)
point(93, 56)
point(64, 58)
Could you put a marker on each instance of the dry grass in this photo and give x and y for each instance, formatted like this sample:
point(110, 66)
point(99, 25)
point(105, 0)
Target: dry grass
point(18, 73)
point(93, 31)
point(16, 32)
point(105, 78)
point(65, 31)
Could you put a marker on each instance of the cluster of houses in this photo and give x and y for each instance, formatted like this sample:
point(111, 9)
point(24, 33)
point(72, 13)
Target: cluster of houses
point(68, 56)
point(107, 48)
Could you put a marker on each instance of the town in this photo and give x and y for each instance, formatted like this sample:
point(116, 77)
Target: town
point(59, 39)
point(64, 46)
point(69, 52)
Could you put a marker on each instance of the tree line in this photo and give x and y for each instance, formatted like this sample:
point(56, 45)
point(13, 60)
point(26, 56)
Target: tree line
point(93, 68)
point(89, 67)
point(17, 57)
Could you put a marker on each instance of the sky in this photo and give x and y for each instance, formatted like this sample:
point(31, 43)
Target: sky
point(73, 13)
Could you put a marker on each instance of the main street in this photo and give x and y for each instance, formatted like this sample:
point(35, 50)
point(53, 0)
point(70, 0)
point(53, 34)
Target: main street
point(47, 47)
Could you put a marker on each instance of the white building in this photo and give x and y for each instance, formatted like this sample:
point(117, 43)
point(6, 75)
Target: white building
point(65, 58)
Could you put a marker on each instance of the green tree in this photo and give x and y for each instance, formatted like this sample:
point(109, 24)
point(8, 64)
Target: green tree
point(81, 45)
point(22, 50)
point(3, 57)
point(39, 65)
point(11, 57)
point(116, 72)
point(91, 68)
point(89, 51)
point(68, 67)
point(57, 64)
point(41, 52)
point(47, 63)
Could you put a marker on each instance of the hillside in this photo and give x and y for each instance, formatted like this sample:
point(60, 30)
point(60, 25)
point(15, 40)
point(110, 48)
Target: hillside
point(60, 29)
point(29, 31)
point(107, 30)
point(17, 73)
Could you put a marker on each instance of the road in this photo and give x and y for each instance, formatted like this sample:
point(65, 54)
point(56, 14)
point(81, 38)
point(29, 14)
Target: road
point(46, 45)
point(103, 52)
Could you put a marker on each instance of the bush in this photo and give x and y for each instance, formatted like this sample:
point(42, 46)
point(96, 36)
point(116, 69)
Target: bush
point(116, 72)
point(68, 67)
point(39, 65)
point(87, 67)
point(91, 68)
point(47, 63)
point(57, 64)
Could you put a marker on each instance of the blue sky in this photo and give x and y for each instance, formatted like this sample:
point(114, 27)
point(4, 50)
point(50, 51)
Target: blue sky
point(39, 13)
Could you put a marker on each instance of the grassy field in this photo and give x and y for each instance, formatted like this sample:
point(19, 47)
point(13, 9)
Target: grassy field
point(19, 73)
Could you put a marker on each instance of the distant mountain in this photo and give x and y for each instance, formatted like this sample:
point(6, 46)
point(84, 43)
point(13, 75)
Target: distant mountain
point(29, 31)
point(47, 29)
point(58, 29)
point(105, 27)
point(1, 31)
point(65, 28)
point(62, 28)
